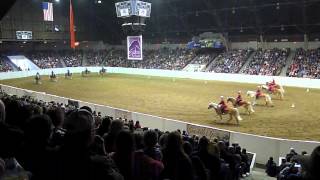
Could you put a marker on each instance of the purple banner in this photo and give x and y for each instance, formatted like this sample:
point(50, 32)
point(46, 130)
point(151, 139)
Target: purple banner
point(134, 46)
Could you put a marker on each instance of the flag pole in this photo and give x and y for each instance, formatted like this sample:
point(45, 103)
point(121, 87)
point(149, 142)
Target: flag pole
point(72, 32)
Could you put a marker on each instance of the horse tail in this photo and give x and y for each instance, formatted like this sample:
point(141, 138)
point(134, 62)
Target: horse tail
point(250, 108)
point(268, 99)
point(238, 117)
point(281, 89)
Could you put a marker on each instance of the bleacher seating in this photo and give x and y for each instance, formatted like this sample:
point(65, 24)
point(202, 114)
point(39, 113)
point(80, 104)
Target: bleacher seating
point(305, 64)
point(46, 59)
point(230, 62)
point(267, 62)
point(164, 58)
point(96, 58)
point(4, 66)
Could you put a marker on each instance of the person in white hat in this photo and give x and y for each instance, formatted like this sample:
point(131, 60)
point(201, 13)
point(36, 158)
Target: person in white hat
point(239, 100)
point(223, 105)
point(259, 92)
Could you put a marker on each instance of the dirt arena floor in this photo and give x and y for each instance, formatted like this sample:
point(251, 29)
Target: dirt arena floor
point(187, 100)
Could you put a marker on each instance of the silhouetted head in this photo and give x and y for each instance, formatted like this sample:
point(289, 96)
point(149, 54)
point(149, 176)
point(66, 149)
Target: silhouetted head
point(150, 138)
point(38, 129)
point(80, 128)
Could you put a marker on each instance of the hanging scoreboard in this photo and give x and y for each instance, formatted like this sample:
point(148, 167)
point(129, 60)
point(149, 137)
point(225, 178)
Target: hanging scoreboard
point(133, 8)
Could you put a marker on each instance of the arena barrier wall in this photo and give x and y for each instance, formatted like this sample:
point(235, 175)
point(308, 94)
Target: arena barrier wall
point(263, 146)
point(240, 78)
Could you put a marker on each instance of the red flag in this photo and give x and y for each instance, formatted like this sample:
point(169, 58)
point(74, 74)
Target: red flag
point(72, 33)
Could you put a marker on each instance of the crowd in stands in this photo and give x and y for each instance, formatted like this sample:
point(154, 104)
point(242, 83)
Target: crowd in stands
point(203, 59)
point(305, 64)
point(4, 66)
point(164, 58)
point(267, 62)
point(72, 58)
point(230, 62)
point(296, 166)
point(270, 62)
point(48, 140)
point(53, 59)
point(46, 59)
point(96, 58)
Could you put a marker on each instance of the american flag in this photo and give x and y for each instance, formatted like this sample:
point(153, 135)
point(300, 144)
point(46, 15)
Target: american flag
point(47, 11)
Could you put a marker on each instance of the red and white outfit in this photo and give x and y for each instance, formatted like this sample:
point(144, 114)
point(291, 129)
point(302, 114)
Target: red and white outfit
point(223, 106)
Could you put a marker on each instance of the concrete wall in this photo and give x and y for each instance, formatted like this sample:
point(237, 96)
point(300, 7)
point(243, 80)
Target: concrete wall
point(241, 78)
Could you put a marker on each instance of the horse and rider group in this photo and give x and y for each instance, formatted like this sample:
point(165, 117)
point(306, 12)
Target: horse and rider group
point(54, 78)
point(262, 92)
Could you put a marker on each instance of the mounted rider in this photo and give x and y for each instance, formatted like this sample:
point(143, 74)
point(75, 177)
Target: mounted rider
point(38, 76)
point(53, 75)
point(69, 73)
point(259, 93)
point(271, 85)
point(239, 100)
point(223, 105)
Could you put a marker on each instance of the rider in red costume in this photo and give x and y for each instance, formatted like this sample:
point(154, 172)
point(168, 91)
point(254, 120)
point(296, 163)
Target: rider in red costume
point(239, 100)
point(259, 93)
point(223, 105)
point(271, 85)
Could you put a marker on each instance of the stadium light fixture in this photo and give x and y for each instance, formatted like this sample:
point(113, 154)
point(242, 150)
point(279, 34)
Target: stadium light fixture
point(99, 1)
point(57, 1)
point(278, 6)
point(233, 10)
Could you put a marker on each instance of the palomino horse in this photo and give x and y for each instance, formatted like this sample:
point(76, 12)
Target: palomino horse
point(233, 112)
point(278, 90)
point(245, 104)
point(267, 98)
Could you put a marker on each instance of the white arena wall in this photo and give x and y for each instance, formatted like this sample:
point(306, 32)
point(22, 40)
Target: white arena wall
point(263, 146)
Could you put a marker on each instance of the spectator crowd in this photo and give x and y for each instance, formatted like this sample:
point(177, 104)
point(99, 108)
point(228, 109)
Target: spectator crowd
point(96, 58)
point(203, 59)
point(54, 59)
point(4, 66)
point(46, 59)
point(163, 58)
point(305, 64)
point(230, 62)
point(267, 62)
point(48, 140)
point(296, 166)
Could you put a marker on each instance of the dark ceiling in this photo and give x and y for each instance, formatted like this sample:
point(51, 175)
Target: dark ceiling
point(186, 18)
point(5, 5)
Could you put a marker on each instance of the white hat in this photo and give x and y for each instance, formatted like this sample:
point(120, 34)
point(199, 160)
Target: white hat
point(221, 96)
